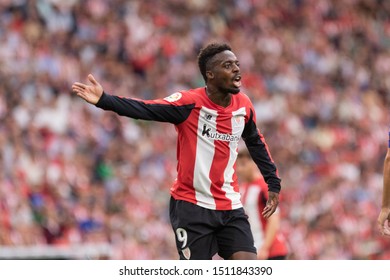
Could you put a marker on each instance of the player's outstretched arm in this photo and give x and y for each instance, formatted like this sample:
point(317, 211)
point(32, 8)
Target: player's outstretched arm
point(272, 204)
point(384, 216)
point(90, 93)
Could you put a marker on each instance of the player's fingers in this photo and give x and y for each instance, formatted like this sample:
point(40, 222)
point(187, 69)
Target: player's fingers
point(91, 78)
point(81, 94)
point(382, 223)
point(268, 211)
point(385, 228)
point(79, 85)
point(386, 232)
point(268, 214)
point(78, 90)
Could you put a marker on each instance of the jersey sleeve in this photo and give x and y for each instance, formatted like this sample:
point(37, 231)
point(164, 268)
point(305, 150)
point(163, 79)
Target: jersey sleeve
point(259, 152)
point(173, 109)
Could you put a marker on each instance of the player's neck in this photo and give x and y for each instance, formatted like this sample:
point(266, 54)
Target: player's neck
point(218, 97)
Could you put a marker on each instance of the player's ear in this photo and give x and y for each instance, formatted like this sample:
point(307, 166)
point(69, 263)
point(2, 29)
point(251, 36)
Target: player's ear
point(209, 75)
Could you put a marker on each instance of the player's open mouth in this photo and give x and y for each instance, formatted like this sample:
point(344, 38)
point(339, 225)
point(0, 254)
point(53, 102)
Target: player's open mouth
point(237, 81)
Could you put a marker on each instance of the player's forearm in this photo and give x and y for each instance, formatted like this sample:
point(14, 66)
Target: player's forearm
point(144, 110)
point(260, 155)
point(273, 225)
point(122, 106)
point(386, 181)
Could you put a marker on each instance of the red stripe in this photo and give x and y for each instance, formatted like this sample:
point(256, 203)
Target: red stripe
point(186, 152)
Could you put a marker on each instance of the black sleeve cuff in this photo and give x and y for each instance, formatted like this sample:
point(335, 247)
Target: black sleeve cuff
point(101, 101)
point(274, 188)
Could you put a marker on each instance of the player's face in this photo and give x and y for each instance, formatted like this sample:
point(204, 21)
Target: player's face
point(225, 72)
point(244, 168)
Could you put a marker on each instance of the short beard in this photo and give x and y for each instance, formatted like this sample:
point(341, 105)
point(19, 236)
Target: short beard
point(230, 90)
point(235, 91)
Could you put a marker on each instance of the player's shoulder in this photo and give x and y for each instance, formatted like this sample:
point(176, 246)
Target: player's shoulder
point(196, 92)
point(193, 93)
point(183, 96)
point(243, 98)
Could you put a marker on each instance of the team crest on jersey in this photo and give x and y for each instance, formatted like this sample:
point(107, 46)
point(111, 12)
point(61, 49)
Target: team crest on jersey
point(238, 120)
point(173, 97)
point(186, 253)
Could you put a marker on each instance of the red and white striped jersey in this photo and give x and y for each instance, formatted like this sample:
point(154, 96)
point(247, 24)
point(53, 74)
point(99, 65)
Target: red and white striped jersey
point(254, 199)
point(208, 136)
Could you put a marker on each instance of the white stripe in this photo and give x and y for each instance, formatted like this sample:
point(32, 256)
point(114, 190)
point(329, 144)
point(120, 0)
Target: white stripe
point(252, 210)
point(238, 123)
point(205, 150)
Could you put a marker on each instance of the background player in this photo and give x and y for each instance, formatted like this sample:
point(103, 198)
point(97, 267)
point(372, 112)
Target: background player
point(269, 242)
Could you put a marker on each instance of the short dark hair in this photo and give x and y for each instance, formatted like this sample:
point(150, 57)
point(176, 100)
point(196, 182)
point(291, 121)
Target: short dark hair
point(208, 53)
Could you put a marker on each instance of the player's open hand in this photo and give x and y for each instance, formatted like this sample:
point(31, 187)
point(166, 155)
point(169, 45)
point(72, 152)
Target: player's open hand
point(272, 204)
point(90, 93)
point(384, 222)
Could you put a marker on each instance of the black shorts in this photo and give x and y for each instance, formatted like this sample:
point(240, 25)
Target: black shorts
point(201, 232)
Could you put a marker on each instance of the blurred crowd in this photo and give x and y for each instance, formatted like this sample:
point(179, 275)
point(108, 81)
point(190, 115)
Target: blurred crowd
point(317, 71)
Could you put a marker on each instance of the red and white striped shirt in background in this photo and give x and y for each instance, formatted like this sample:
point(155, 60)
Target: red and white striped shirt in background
point(254, 199)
